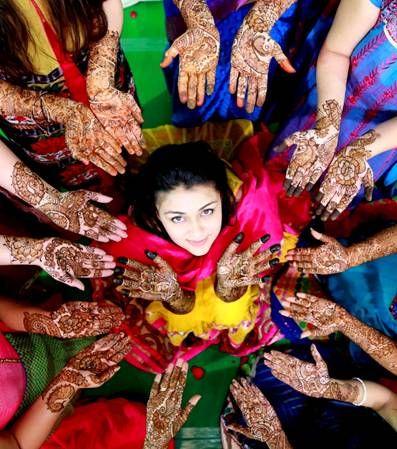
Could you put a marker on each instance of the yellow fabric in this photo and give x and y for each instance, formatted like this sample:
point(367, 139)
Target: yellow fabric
point(211, 313)
point(41, 54)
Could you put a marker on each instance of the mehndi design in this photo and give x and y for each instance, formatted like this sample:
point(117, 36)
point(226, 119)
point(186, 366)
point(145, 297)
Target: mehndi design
point(253, 50)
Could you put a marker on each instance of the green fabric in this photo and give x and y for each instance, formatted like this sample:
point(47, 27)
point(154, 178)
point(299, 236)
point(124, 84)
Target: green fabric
point(43, 357)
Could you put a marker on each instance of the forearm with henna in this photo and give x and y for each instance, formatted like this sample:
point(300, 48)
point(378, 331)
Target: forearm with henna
point(329, 116)
point(380, 245)
point(229, 294)
point(343, 390)
point(15, 100)
point(63, 389)
point(269, 11)
point(380, 347)
point(102, 64)
point(196, 13)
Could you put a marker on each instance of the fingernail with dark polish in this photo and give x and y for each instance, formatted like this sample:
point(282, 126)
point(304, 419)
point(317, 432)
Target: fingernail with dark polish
point(118, 270)
point(122, 260)
point(150, 254)
point(275, 248)
point(117, 281)
point(265, 278)
point(125, 292)
point(239, 237)
point(265, 238)
point(274, 262)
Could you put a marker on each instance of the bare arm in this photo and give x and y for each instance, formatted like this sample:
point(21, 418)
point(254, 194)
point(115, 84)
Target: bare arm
point(114, 14)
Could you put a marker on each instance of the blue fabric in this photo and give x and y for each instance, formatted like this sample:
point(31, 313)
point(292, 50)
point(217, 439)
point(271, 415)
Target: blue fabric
point(300, 32)
point(377, 3)
point(312, 423)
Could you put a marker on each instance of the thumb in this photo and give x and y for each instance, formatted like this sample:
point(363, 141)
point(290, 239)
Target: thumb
point(322, 237)
point(316, 355)
point(193, 401)
point(169, 56)
point(287, 66)
point(286, 143)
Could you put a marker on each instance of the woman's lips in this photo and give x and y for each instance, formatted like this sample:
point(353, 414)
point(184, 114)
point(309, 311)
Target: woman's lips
point(197, 242)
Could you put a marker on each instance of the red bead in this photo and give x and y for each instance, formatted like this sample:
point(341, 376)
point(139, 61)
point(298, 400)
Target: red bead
point(198, 372)
point(133, 14)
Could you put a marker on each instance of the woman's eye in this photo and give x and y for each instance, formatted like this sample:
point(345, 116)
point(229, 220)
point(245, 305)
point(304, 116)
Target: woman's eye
point(177, 219)
point(208, 212)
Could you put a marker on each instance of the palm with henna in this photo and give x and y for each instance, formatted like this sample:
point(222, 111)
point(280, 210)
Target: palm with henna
point(165, 415)
point(262, 421)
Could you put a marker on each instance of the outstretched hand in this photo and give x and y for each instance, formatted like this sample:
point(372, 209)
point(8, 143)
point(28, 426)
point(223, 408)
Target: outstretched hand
point(165, 415)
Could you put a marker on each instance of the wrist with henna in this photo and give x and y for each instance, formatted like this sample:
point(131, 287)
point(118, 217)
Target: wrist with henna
point(329, 117)
point(343, 390)
point(23, 251)
point(40, 106)
point(229, 294)
point(264, 14)
point(62, 389)
point(196, 14)
point(102, 66)
point(184, 303)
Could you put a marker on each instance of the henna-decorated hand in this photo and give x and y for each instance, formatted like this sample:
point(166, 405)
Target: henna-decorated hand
point(348, 171)
point(88, 141)
point(236, 271)
point(262, 421)
point(155, 283)
point(329, 258)
point(165, 415)
point(90, 368)
point(326, 316)
point(253, 50)
point(308, 378)
point(117, 111)
point(62, 260)
point(74, 319)
point(74, 212)
point(198, 50)
point(314, 151)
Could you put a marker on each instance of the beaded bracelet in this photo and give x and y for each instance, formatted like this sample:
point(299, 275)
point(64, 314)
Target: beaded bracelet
point(365, 392)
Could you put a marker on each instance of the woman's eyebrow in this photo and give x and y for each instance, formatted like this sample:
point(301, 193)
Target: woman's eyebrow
point(184, 213)
point(209, 204)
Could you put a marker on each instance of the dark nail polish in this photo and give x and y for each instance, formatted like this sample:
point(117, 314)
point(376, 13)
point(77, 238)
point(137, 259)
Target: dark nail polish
point(274, 262)
point(125, 292)
point(117, 281)
point(275, 248)
point(265, 238)
point(265, 278)
point(152, 255)
point(239, 237)
point(122, 260)
point(118, 271)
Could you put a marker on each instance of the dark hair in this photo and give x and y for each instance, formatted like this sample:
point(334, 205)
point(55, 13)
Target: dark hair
point(76, 23)
point(170, 166)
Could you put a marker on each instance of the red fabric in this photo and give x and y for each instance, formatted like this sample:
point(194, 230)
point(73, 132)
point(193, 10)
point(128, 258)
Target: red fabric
point(74, 80)
point(110, 424)
point(12, 382)
point(263, 209)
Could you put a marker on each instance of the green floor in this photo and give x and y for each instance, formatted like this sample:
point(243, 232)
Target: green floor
point(144, 41)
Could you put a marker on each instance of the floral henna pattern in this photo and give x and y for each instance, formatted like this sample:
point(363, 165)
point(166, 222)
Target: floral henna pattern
point(156, 283)
point(74, 320)
point(311, 379)
point(27, 185)
point(198, 50)
point(262, 421)
point(329, 258)
point(236, 271)
point(314, 151)
point(165, 415)
point(253, 49)
point(326, 316)
point(347, 172)
point(117, 111)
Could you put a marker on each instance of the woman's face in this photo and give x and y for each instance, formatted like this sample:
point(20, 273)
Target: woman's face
point(191, 216)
